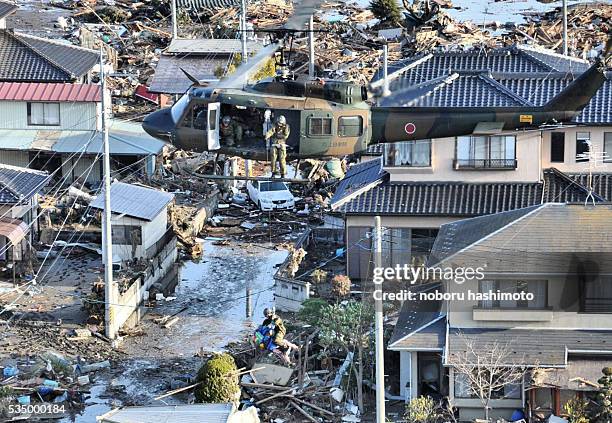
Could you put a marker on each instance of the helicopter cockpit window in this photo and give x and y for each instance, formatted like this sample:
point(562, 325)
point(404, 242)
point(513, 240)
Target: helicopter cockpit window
point(179, 107)
point(319, 126)
point(200, 114)
point(350, 126)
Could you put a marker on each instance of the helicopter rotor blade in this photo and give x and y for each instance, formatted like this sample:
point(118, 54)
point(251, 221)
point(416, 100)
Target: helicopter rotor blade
point(193, 79)
point(302, 11)
point(241, 76)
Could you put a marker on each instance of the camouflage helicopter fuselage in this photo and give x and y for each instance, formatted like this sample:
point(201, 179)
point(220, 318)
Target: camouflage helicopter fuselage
point(334, 118)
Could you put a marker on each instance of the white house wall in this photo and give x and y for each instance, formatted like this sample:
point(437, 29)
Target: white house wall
point(570, 165)
point(77, 166)
point(443, 155)
point(73, 116)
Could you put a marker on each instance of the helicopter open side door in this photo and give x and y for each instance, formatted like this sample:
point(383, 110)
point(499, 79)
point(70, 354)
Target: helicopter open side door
point(212, 132)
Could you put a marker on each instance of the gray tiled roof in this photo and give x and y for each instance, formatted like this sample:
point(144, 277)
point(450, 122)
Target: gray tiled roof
point(18, 184)
point(418, 316)
point(135, 200)
point(468, 199)
point(6, 8)
point(27, 58)
point(504, 77)
point(430, 337)
point(444, 198)
point(455, 236)
point(536, 347)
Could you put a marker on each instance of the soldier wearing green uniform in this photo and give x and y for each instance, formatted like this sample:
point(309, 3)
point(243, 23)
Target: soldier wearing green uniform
point(273, 319)
point(230, 131)
point(278, 136)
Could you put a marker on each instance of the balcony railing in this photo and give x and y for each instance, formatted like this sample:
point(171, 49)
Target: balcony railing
point(485, 164)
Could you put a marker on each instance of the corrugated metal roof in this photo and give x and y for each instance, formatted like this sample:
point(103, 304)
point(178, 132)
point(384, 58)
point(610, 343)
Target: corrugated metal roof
point(6, 8)
point(211, 45)
point(170, 79)
point(195, 413)
point(42, 91)
point(208, 4)
point(135, 200)
point(14, 229)
point(18, 184)
point(125, 138)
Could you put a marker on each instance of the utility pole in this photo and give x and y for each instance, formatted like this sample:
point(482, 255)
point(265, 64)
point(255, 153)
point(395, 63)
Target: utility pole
point(378, 317)
point(174, 21)
point(244, 33)
point(386, 91)
point(109, 287)
point(565, 27)
point(311, 59)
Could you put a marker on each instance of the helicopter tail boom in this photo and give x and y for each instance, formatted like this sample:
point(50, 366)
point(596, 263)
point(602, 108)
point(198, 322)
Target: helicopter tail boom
point(393, 124)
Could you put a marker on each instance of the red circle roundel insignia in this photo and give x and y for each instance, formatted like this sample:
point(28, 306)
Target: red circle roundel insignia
point(410, 128)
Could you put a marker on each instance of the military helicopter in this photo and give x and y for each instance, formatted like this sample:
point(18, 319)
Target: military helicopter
point(337, 118)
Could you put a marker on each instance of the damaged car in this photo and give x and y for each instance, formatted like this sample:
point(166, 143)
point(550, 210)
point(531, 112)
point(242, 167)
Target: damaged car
point(271, 195)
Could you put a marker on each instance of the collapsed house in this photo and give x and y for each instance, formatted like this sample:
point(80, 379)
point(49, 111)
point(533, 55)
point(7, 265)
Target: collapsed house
point(560, 253)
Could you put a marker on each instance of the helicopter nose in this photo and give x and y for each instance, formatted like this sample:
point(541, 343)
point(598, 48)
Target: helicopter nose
point(159, 124)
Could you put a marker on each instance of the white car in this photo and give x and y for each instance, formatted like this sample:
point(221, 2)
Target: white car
point(271, 195)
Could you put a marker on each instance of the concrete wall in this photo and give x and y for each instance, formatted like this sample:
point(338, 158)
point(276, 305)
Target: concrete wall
point(73, 116)
point(443, 154)
point(129, 309)
point(570, 164)
point(560, 292)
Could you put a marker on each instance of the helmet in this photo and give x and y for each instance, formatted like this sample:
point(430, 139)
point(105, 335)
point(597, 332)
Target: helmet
point(268, 312)
point(226, 120)
point(281, 120)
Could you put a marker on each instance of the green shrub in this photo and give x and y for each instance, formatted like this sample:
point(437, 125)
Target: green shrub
point(420, 410)
point(604, 396)
point(219, 380)
point(577, 410)
point(312, 310)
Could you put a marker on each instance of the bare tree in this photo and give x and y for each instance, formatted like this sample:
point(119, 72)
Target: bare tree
point(488, 368)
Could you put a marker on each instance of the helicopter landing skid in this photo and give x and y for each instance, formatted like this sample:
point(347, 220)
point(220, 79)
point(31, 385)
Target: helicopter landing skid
point(251, 178)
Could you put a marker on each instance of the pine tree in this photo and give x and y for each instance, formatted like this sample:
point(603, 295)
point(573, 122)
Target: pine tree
point(388, 11)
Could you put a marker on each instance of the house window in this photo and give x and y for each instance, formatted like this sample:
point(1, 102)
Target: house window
point(583, 139)
point(350, 126)
point(127, 235)
point(44, 114)
point(597, 296)
point(608, 147)
point(408, 153)
point(557, 147)
point(539, 289)
point(486, 152)
point(319, 126)
point(463, 389)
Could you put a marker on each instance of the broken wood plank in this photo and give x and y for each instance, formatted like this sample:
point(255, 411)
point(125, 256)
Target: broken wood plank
point(303, 412)
point(280, 394)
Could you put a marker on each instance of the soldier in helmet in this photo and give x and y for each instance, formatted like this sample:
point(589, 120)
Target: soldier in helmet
point(279, 332)
point(278, 137)
point(230, 131)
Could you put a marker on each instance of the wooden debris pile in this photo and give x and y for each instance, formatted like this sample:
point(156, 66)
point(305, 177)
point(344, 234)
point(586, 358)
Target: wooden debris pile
point(588, 29)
